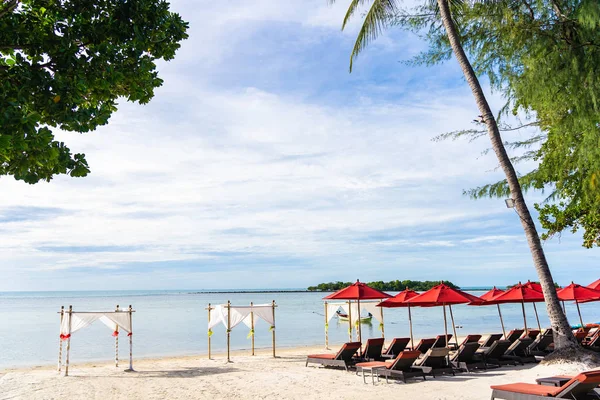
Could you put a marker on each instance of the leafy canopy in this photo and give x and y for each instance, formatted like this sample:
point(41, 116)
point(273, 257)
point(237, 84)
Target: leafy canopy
point(543, 56)
point(63, 64)
point(392, 286)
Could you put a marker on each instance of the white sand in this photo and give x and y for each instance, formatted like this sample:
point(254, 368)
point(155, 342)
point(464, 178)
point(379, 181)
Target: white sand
point(247, 377)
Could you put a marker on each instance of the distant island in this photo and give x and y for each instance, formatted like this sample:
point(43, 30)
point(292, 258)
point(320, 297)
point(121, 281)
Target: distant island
point(392, 286)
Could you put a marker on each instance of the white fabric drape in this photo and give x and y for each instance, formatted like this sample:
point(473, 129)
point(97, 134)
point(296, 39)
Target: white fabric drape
point(218, 315)
point(373, 309)
point(332, 309)
point(82, 320)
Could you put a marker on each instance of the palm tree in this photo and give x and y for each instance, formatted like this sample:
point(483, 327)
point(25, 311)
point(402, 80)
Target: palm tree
point(375, 21)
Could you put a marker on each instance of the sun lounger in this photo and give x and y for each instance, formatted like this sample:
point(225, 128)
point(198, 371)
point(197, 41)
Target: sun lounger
point(514, 335)
point(494, 355)
point(440, 341)
point(518, 351)
point(424, 345)
point(465, 359)
point(532, 334)
point(576, 388)
point(471, 339)
point(435, 362)
point(580, 336)
point(539, 347)
point(491, 339)
point(396, 347)
point(373, 350)
point(401, 367)
point(343, 358)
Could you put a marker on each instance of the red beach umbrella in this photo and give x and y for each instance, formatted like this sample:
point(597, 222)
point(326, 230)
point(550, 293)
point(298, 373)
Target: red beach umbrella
point(399, 300)
point(357, 291)
point(519, 294)
point(487, 297)
point(594, 285)
point(578, 293)
point(443, 295)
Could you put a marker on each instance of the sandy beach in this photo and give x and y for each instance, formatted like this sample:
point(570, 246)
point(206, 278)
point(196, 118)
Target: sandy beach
point(248, 377)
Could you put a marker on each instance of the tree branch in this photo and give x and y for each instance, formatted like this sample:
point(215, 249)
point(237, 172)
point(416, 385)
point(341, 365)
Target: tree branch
point(8, 7)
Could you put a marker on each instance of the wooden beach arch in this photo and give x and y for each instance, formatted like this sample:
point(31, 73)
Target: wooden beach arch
point(72, 321)
point(231, 316)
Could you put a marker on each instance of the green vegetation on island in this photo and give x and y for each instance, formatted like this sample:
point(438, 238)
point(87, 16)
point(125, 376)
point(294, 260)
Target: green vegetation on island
point(392, 286)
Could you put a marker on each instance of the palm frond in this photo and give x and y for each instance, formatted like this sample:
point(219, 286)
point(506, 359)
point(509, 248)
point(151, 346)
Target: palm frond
point(376, 20)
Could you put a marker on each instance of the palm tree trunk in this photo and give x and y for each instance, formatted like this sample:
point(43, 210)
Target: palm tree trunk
point(563, 335)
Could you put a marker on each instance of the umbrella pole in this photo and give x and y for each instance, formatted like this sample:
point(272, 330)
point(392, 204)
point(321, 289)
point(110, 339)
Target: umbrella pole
point(350, 319)
point(524, 317)
point(453, 326)
point(358, 320)
point(537, 317)
point(579, 312)
point(501, 321)
point(382, 326)
point(445, 324)
point(326, 328)
point(412, 342)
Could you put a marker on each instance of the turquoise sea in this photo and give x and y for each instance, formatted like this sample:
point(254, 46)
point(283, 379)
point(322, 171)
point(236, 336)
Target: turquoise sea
point(168, 323)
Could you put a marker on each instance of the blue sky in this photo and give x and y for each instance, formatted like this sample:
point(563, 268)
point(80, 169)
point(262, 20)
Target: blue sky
point(262, 162)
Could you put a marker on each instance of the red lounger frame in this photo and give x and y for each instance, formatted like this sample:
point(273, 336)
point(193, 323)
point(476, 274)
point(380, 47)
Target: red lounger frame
point(576, 388)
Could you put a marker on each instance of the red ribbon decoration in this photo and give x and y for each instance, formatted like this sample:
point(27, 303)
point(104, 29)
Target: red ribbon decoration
point(64, 337)
point(129, 334)
point(115, 333)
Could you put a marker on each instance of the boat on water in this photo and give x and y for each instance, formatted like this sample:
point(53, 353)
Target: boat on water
point(363, 320)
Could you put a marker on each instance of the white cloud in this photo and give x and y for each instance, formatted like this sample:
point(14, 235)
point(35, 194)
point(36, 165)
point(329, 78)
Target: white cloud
point(270, 185)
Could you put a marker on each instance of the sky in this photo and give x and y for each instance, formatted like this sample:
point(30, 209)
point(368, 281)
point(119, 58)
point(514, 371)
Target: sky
point(263, 163)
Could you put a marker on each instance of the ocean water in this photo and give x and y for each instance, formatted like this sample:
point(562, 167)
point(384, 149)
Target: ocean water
point(175, 323)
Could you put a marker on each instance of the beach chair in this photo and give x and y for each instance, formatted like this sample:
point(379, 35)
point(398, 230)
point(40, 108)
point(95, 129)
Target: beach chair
point(518, 351)
point(343, 358)
point(424, 345)
point(465, 358)
point(471, 339)
point(580, 336)
point(435, 362)
point(494, 355)
point(373, 350)
point(396, 347)
point(402, 367)
point(491, 339)
point(576, 388)
point(532, 333)
point(514, 335)
point(440, 341)
point(540, 345)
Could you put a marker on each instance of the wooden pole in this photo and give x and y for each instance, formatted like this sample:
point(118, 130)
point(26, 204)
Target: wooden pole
point(130, 340)
point(453, 326)
point(69, 341)
point(209, 331)
point(273, 331)
point(117, 341)
point(252, 326)
point(62, 315)
point(524, 317)
point(350, 319)
point(326, 328)
point(537, 317)
point(412, 341)
point(501, 321)
point(228, 329)
point(579, 312)
point(382, 325)
point(358, 321)
point(445, 324)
